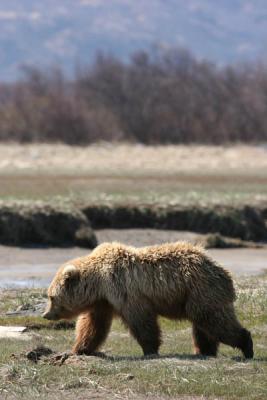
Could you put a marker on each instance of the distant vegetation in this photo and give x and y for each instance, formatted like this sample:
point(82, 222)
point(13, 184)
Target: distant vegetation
point(157, 97)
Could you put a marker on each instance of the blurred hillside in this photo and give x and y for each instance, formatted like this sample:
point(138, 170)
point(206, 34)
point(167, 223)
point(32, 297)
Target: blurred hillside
point(70, 31)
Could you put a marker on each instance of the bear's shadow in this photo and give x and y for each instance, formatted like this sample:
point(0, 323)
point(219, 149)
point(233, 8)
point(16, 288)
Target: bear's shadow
point(150, 357)
point(176, 356)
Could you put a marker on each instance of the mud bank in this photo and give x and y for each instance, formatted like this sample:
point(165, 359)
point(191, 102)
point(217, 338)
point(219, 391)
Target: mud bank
point(38, 223)
point(43, 224)
point(246, 223)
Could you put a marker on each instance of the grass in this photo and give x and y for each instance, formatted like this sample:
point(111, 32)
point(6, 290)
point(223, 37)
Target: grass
point(124, 373)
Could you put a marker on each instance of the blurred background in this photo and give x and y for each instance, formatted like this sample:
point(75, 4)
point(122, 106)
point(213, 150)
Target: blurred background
point(152, 72)
point(140, 121)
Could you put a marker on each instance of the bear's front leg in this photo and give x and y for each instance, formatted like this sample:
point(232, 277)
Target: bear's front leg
point(144, 327)
point(92, 328)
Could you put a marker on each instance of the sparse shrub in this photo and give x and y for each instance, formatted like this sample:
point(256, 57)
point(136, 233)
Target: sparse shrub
point(157, 97)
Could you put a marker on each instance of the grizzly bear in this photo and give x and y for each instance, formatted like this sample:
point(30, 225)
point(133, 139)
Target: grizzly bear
point(173, 280)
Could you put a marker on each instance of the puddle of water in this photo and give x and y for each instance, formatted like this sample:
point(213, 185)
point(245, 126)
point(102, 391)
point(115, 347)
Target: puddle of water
point(27, 275)
point(18, 283)
point(23, 267)
point(239, 262)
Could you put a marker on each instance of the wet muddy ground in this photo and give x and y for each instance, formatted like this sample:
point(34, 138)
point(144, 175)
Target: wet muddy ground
point(35, 267)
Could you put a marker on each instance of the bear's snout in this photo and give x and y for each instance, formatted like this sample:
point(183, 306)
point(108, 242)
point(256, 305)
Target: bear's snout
point(57, 313)
point(46, 315)
point(49, 315)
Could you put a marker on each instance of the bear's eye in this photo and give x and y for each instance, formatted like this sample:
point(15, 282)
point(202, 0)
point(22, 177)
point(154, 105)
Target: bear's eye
point(51, 298)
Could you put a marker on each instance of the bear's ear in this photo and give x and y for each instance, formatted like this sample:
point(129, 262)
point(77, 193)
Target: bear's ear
point(70, 271)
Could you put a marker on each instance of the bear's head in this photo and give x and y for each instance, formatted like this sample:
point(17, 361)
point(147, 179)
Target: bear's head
point(64, 294)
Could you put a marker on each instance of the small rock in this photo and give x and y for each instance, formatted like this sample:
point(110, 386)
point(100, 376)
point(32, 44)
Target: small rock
point(19, 329)
point(14, 332)
point(25, 307)
point(28, 309)
point(129, 377)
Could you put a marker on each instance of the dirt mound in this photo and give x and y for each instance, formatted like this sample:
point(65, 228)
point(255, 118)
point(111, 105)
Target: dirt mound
point(217, 241)
point(41, 224)
point(40, 351)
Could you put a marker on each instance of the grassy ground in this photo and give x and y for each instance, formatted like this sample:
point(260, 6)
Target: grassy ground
point(124, 173)
point(124, 373)
point(134, 173)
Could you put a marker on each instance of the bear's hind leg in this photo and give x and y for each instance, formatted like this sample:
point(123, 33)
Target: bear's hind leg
point(245, 343)
point(204, 344)
point(145, 329)
point(92, 328)
point(223, 326)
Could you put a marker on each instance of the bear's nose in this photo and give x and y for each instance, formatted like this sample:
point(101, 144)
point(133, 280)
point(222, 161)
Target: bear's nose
point(46, 315)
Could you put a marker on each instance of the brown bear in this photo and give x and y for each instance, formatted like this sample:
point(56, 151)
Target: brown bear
point(173, 280)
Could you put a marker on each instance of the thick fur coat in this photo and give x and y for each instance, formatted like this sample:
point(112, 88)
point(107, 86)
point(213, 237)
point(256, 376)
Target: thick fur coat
point(174, 280)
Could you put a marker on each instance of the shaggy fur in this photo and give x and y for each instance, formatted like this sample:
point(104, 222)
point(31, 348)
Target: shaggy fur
point(174, 280)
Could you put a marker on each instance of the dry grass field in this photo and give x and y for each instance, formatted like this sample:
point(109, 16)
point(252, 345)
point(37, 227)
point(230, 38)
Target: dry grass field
point(135, 173)
point(134, 158)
